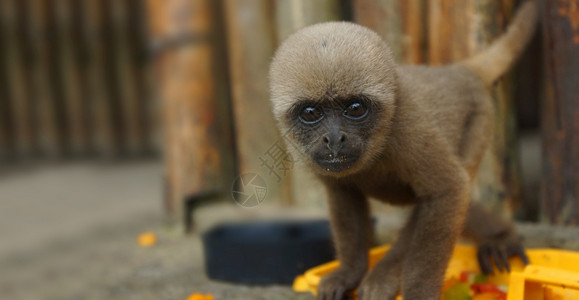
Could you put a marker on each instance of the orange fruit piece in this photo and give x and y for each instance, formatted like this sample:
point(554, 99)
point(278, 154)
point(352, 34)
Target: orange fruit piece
point(147, 239)
point(450, 283)
point(487, 296)
point(198, 296)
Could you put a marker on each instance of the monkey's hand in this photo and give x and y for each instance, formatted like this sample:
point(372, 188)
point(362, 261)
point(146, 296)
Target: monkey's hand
point(499, 250)
point(337, 284)
point(383, 281)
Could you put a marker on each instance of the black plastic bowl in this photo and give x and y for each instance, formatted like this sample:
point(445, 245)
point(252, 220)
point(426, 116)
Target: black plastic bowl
point(266, 252)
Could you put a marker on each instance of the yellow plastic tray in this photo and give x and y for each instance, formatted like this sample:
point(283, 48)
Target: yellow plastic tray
point(552, 274)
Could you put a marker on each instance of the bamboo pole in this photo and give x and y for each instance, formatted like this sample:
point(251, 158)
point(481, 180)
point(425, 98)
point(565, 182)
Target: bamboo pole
point(66, 81)
point(46, 105)
point(560, 116)
point(400, 22)
point(132, 122)
point(192, 121)
point(251, 45)
point(141, 68)
point(26, 50)
point(56, 76)
point(5, 139)
point(458, 29)
point(20, 106)
point(383, 16)
point(110, 77)
point(528, 93)
point(89, 30)
point(293, 15)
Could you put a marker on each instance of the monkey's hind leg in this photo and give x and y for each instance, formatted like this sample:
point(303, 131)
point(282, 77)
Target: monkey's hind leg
point(496, 238)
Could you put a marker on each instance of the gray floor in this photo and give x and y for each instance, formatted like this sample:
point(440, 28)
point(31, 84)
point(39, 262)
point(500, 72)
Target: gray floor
point(69, 232)
point(50, 203)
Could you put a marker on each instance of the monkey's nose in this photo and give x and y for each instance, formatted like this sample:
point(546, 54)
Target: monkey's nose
point(334, 141)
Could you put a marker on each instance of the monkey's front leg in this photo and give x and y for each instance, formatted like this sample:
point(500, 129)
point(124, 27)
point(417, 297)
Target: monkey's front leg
point(350, 220)
point(439, 221)
point(383, 281)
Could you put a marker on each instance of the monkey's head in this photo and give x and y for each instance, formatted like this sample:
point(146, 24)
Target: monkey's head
point(333, 89)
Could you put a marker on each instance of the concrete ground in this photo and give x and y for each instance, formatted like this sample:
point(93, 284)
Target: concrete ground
point(69, 232)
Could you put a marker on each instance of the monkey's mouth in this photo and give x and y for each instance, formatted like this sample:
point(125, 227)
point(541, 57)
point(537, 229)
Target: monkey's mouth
point(337, 163)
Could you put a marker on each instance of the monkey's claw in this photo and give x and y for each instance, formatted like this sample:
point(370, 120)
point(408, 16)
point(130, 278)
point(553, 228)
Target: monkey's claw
point(500, 256)
point(336, 285)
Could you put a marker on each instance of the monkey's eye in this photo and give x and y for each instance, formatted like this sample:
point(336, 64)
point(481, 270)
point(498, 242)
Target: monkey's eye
point(356, 111)
point(311, 115)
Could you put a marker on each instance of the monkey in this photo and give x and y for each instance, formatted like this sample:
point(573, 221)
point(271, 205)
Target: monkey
point(405, 135)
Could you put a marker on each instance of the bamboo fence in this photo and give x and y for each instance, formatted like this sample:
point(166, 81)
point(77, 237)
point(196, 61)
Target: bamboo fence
point(120, 78)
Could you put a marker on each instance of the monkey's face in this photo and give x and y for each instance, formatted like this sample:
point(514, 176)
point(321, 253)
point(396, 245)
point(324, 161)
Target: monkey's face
point(334, 135)
point(333, 94)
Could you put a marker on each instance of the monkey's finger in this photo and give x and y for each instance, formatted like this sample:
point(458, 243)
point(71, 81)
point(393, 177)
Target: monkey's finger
point(496, 257)
point(328, 295)
point(339, 293)
point(505, 260)
point(484, 260)
point(524, 257)
point(518, 251)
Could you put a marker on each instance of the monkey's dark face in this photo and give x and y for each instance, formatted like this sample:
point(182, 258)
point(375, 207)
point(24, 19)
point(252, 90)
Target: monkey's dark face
point(333, 92)
point(334, 134)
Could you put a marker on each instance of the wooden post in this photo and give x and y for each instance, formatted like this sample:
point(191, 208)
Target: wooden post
point(141, 69)
point(251, 45)
point(45, 104)
point(19, 107)
point(74, 124)
point(89, 25)
point(5, 132)
point(291, 16)
point(110, 77)
point(560, 116)
point(400, 22)
point(193, 124)
point(528, 95)
point(129, 106)
point(457, 30)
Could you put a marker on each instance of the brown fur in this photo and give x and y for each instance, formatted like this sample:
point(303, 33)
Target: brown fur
point(421, 144)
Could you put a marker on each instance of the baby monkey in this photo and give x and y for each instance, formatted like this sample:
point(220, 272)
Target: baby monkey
point(400, 134)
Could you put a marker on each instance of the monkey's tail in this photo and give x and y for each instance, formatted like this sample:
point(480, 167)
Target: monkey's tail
point(498, 58)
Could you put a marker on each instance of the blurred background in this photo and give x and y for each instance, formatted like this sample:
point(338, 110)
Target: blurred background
point(124, 116)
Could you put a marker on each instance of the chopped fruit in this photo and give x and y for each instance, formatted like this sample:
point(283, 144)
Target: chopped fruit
point(486, 288)
point(449, 283)
point(147, 239)
point(480, 278)
point(472, 286)
point(198, 296)
point(486, 296)
point(467, 276)
point(458, 292)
